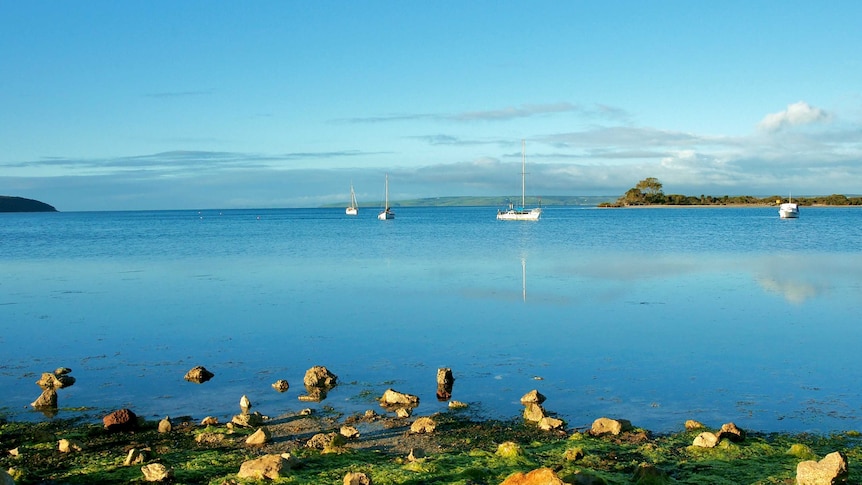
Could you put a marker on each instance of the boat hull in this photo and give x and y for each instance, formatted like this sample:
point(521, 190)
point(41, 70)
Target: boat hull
point(788, 211)
point(519, 215)
point(351, 211)
point(386, 215)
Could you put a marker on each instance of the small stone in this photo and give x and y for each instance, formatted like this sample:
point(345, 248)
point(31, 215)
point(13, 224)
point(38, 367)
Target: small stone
point(121, 420)
point(259, 437)
point(265, 467)
point(61, 371)
point(209, 421)
point(604, 426)
point(394, 398)
point(423, 425)
point(165, 425)
point(706, 440)
point(244, 403)
point(548, 424)
point(691, 425)
point(319, 376)
point(136, 456)
point(68, 446)
point(306, 412)
point(403, 412)
point(534, 412)
point(249, 420)
point(156, 472)
point(415, 455)
point(46, 400)
point(540, 476)
point(731, 432)
point(457, 405)
point(281, 385)
point(356, 478)
point(210, 438)
point(349, 432)
point(532, 397)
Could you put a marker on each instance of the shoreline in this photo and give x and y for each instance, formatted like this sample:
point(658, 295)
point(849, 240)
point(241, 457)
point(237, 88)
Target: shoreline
point(392, 450)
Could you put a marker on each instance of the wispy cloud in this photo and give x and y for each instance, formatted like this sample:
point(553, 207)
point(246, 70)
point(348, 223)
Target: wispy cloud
point(504, 114)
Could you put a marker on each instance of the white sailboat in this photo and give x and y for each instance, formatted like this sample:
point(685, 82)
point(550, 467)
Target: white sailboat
point(789, 209)
point(520, 213)
point(387, 212)
point(353, 208)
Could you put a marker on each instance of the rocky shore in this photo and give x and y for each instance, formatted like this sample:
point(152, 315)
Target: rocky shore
point(390, 445)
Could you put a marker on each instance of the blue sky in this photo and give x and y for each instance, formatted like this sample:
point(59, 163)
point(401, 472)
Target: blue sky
point(109, 105)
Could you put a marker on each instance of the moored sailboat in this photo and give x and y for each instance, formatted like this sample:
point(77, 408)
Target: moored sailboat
point(386, 213)
point(353, 208)
point(789, 209)
point(521, 213)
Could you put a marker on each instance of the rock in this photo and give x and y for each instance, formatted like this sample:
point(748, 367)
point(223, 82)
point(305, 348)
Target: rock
point(121, 420)
point(706, 440)
point(326, 441)
point(532, 397)
point(165, 425)
point(509, 449)
point(415, 455)
point(457, 405)
point(266, 467)
point(198, 375)
point(156, 472)
point(403, 412)
point(68, 446)
point(803, 452)
point(259, 437)
point(46, 400)
point(55, 381)
point(210, 438)
point(691, 425)
point(423, 425)
point(249, 420)
point(534, 412)
point(349, 432)
point(445, 380)
point(281, 385)
point(5, 478)
point(648, 474)
point(319, 376)
point(136, 456)
point(306, 412)
point(832, 469)
point(604, 426)
point(731, 432)
point(209, 421)
point(356, 478)
point(573, 454)
point(244, 404)
point(61, 371)
point(539, 476)
point(548, 423)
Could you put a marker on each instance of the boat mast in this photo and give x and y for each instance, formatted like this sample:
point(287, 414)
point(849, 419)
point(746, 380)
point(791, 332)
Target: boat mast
point(386, 204)
point(523, 173)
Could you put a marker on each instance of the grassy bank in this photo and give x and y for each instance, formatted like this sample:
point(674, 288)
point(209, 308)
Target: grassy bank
point(460, 451)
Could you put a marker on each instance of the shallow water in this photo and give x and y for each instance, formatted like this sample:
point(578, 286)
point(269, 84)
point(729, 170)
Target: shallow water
point(653, 315)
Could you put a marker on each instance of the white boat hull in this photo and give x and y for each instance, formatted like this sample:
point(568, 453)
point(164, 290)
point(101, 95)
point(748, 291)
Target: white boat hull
point(386, 215)
point(351, 211)
point(519, 215)
point(788, 211)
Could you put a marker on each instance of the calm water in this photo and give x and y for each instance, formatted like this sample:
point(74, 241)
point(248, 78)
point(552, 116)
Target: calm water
point(653, 315)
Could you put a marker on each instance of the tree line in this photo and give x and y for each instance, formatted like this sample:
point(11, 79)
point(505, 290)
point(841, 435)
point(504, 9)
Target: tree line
point(649, 192)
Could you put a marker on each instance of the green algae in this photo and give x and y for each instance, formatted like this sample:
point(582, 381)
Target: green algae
point(469, 454)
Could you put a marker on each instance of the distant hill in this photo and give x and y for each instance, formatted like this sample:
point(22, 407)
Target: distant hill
point(20, 204)
point(471, 201)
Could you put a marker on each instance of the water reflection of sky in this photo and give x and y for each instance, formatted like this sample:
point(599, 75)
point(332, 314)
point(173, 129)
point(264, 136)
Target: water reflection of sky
point(763, 339)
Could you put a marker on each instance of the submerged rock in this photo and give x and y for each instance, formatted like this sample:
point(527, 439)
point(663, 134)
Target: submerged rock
point(281, 385)
point(320, 377)
point(445, 381)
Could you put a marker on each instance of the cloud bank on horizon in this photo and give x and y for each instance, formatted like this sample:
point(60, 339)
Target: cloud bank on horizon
point(157, 111)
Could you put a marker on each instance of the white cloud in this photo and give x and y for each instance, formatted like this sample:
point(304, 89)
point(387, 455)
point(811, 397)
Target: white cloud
point(799, 113)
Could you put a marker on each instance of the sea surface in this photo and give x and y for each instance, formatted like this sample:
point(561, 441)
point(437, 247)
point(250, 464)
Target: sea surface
point(655, 315)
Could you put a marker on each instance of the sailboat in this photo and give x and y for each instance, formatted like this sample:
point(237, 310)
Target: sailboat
point(353, 208)
point(789, 209)
point(387, 212)
point(520, 213)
